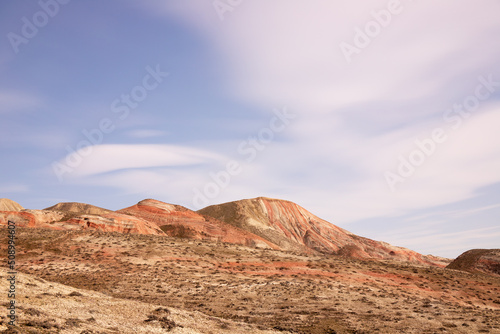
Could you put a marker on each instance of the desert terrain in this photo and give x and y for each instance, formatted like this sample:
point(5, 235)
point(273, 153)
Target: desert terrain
point(251, 266)
point(217, 287)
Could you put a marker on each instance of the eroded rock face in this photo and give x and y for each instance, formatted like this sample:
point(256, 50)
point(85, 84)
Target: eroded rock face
point(294, 228)
point(478, 260)
point(162, 213)
point(9, 205)
point(58, 220)
point(114, 222)
point(33, 218)
point(178, 221)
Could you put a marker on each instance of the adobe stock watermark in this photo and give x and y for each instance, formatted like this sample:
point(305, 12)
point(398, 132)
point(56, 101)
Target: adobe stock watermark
point(120, 108)
point(224, 6)
point(31, 26)
point(454, 118)
point(249, 150)
point(11, 262)
point(364, 36)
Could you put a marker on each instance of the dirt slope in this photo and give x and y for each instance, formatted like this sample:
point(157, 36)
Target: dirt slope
point(478, 260)
point(292, 228)
point(9, 205)
point(49, 307)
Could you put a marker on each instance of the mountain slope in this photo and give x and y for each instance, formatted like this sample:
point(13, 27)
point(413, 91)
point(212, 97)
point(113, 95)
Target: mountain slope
point(9, 205)
point(33, 218)
point(178, 221)
point(478, 260)
point(114, 222)
point(293, 228)
point(79, 208)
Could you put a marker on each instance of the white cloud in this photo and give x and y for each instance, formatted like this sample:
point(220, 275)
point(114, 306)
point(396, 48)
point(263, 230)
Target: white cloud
point(288, 50)
point(110, 158)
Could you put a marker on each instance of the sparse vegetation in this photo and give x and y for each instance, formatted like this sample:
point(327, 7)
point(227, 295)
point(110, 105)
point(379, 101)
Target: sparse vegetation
point(270, 289)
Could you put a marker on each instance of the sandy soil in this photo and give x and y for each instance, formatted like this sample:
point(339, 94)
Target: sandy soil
point(256, 288)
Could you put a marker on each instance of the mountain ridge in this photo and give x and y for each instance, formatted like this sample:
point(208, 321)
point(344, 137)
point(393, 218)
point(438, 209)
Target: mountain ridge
point(289, 225)
point(80, 208)
point(485, 261)
point(258, 222)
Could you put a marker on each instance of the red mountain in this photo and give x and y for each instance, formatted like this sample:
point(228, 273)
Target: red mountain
point(292, 227)
point(178, 221)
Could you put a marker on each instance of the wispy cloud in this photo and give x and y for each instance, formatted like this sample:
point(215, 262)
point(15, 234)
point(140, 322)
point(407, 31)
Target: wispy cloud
point(146, 133)
point(110, 158)
point(14, 101)
point(473, 211)
point(464, 239)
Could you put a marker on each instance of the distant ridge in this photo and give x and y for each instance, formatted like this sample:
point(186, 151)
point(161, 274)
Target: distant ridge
point(478, 260)
point(259, 222)
point(79, 208)
point(9, 205)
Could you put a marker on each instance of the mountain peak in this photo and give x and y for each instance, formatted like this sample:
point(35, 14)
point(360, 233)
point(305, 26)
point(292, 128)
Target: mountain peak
point(9, 205)
point(79, 208)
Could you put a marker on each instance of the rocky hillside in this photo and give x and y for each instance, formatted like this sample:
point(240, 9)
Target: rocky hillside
point(478, 260)
point(9, 205)
point(33, 218)
point(292, 227)
point(261, 222)
point(114, 222)
point(178, 221)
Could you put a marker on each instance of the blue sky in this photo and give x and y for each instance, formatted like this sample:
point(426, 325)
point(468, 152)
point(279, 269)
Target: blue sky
point(381, 117)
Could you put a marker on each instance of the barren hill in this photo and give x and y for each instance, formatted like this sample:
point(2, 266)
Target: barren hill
point(79, 208)
point(178, 221)
point(292, 227)
point(9, 205)
point(478, 260)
